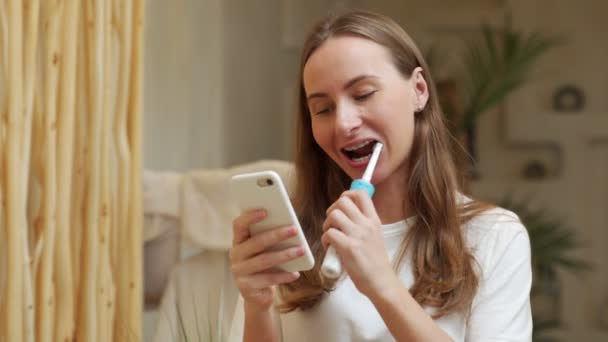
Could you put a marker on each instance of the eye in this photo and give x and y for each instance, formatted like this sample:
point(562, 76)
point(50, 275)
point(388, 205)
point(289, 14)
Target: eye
point(322, 111)
point(365, 95)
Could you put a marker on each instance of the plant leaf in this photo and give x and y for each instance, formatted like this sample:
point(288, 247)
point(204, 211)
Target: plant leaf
point(492, 73)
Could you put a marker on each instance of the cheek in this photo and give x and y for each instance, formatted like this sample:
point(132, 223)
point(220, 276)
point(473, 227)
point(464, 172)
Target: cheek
point(401, 133)
point(321, 134)
point(407, 130)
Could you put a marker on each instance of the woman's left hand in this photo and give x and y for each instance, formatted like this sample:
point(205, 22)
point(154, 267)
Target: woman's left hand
point(354, 229)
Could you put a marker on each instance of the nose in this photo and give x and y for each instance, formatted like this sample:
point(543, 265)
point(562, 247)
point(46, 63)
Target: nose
point(348, 118)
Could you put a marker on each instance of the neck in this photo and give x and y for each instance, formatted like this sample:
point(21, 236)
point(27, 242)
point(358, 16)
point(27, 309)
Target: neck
point(391, 199)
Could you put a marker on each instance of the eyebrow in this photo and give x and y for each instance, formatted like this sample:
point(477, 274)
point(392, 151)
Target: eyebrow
point(348, 84)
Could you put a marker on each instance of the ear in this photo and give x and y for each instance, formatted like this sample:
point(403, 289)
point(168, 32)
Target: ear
point(420, 88)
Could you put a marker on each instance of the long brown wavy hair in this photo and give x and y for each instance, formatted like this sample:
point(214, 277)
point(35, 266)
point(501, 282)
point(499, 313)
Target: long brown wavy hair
point(444, 269)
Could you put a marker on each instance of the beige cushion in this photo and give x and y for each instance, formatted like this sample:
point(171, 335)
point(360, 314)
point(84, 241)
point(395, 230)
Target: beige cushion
point(207, 209)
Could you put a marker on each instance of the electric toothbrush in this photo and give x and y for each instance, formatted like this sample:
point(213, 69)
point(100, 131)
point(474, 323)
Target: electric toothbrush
point(332, 267)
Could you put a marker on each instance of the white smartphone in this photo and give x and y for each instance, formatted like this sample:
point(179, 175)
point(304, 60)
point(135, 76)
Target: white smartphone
point(265, 190)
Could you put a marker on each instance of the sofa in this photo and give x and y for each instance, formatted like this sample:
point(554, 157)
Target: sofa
point(188, 233)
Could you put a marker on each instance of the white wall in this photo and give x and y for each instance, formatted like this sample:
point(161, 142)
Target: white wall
point(254, 68)
point(184, 84)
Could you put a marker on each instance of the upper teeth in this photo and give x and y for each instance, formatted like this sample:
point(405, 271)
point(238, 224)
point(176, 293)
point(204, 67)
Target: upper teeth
point(356, 147)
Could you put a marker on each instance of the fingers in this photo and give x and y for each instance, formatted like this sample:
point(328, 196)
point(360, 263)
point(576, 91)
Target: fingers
point(348, 206)
point(337, 219)
point(240, 226)
point(252, 264)
point(363, 203)
point(352, 207)
point(250, 254)
point(261, 242)
point(266, 261)
point(335, 238)
point(341, 214)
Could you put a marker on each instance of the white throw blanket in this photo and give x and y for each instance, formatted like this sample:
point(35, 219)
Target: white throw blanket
point(162, 193)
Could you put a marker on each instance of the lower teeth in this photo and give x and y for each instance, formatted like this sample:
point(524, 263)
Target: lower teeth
point(356, 160)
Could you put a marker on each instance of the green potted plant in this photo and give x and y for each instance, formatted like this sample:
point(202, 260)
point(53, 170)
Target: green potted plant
point(496, 62)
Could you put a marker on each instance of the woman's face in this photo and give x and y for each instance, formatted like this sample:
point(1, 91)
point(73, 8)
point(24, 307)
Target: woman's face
point(356, 96)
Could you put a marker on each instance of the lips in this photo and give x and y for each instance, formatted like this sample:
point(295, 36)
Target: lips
point(359, 152)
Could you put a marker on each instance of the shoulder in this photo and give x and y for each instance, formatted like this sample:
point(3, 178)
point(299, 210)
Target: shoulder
point(496, 234)
point(496, 221)
point(500, 309)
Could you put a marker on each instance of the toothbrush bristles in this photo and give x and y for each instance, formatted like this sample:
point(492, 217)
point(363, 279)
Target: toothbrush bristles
point(369, 170)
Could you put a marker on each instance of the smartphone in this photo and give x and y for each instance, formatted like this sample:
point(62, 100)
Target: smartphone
point(265, 190)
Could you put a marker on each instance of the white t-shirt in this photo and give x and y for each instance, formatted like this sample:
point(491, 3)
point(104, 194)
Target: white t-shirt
point(500, 310)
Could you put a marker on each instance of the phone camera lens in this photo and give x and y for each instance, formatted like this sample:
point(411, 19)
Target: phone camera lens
point(269, 182)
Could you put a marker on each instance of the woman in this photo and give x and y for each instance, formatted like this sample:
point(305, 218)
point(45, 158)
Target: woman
point(422, 261)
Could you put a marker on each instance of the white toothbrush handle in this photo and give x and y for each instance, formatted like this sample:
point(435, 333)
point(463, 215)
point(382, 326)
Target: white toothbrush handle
point(331, 267)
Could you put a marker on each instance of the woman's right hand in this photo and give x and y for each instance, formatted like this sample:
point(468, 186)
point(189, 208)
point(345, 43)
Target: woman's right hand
point(254, 266)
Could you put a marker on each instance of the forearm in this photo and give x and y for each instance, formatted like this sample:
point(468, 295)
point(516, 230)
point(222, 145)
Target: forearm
point(260, 326)
point(404, 317)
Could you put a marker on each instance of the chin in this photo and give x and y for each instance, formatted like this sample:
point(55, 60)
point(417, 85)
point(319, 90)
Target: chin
point(378, 178)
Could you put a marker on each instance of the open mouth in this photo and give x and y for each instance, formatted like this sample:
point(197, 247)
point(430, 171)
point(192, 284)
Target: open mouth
point(360, 152)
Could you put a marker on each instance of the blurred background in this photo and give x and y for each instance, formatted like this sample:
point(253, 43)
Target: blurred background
point(524, 85)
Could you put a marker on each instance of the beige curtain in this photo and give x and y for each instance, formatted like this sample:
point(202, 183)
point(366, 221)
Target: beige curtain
point(70, 165)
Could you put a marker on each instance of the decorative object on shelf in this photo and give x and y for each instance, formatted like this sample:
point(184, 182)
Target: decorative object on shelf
point(552, 243)
point(569, 98)
point(535, 170)
point(497, 62)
